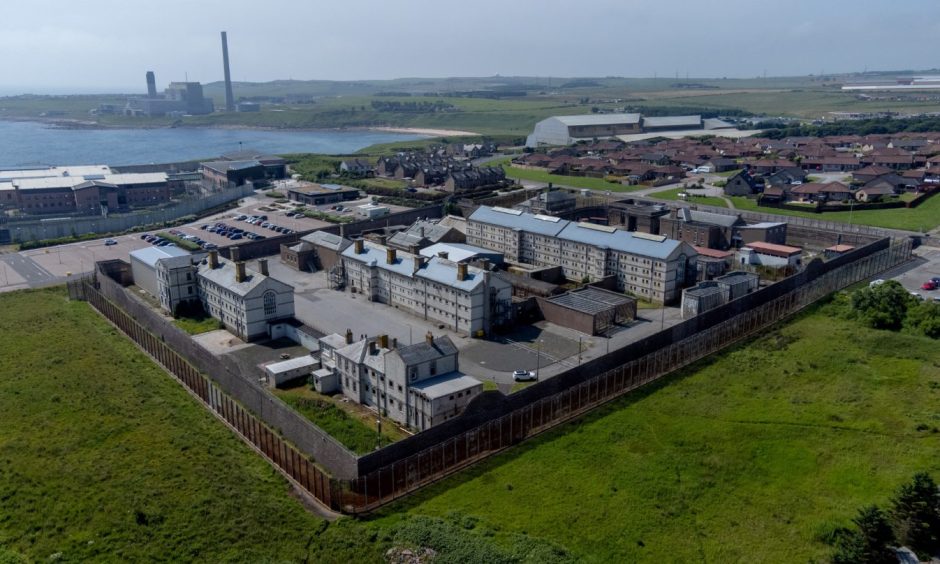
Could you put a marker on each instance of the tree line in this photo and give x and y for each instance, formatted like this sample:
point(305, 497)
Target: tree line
point(875, 126)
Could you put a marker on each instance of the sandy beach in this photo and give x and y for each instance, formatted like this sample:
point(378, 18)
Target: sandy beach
point(422, 131)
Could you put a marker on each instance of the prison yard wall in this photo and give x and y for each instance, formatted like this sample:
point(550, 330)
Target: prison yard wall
point(55, 228)
point(234, 379)
point(492, 422)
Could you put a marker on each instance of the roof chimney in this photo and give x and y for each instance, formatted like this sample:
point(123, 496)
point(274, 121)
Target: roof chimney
point(263, 265)
point(213, 259)
point(443, 254)
point(235, 253)
point(240, 272)
point(373, 348)
point(394, 343)
point(383, 341)
point(461, 272)
point(390, 256)
point(429, 338)
point(358, 246)
point(349, 336)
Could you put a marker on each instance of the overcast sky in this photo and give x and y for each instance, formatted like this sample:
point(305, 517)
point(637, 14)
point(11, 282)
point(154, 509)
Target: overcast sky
point(107, 45)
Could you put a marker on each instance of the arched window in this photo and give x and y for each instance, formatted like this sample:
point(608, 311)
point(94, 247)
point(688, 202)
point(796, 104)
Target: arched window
point(270, 303)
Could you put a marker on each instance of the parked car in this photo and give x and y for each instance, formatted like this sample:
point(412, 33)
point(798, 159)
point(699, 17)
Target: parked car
point(235, 237)
point(874, 283)
point(936, 280)
point(242, 217)
point(917, 295)
point(110, 242)
point(524, 376)
point(144, 236)
point(928, 285)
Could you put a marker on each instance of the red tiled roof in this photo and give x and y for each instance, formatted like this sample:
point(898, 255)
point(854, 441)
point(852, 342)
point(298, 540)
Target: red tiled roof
point(774, 249)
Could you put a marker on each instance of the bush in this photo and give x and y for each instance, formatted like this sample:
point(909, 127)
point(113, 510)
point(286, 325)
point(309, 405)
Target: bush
point(916, 515)
point(924, 319)
point(884, 306)
point(869, 543)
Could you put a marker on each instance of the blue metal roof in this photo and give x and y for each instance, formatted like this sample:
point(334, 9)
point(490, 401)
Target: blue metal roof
point(623, 241)
point(542, 225)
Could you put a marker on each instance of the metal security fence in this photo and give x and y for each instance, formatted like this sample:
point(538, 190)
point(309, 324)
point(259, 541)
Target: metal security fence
point(406, 466)
point(279, 452)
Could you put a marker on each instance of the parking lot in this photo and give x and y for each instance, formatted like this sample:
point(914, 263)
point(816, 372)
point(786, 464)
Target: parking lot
point(913, 275)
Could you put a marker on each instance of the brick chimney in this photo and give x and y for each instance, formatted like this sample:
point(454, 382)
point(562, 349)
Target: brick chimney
point(213, 259)
point(240, 272)
point(235, 253)
point(429, 338)
point(358, 246)
point(461, 272)
point(390, 256)
point(349, 336)
point(263, 265)
point(383, 341)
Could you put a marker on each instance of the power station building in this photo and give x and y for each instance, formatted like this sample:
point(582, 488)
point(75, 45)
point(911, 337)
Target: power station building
point(179, 98)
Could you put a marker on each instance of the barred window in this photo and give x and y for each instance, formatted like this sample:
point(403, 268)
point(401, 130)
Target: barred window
point(270, 303)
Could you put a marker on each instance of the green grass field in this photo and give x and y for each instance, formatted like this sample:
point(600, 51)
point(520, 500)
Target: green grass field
point(197, 325)
point(358, 434)
point(673, 195)
point(752, 455)
point(922, 218)
point(104, 458)
point(572, 181)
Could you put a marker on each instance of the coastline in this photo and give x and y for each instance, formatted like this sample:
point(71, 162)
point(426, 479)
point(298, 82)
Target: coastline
point(65, 123)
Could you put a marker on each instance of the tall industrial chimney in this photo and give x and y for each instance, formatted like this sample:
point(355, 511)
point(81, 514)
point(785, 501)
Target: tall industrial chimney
point(151, 85)
point(229, 97)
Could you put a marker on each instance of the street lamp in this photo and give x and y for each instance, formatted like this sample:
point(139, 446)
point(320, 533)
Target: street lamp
point(538, 358)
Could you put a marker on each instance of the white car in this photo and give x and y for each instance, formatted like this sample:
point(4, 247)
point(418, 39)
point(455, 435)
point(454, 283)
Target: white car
point(524, 376)
point(874, 283)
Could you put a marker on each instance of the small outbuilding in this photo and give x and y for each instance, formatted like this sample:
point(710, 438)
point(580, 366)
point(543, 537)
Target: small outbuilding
point(589, 309)
point(280, 373)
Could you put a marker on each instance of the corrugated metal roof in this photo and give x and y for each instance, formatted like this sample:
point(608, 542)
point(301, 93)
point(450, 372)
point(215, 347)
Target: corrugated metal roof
point(328, 240)
point(672, 121)
point(598, 119)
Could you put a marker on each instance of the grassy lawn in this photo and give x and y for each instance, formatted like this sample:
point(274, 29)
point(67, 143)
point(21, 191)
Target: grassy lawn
point(197, 325)
point(573, 181)
point(104, 458)
point(673, 195)
point(354, 429)
point(922, 218)
point(752, 455)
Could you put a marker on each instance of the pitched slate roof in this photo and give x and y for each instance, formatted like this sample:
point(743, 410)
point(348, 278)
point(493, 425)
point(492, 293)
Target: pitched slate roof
point(426, 352)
